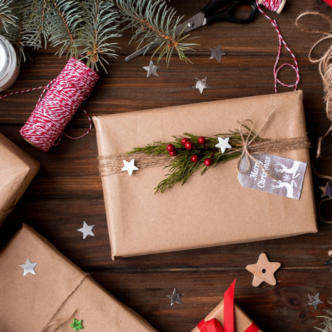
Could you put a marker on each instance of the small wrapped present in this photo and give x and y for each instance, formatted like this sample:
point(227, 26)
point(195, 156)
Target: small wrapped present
point(227, 317)
point(42, 291)
point(16, 172)
point(212, 209)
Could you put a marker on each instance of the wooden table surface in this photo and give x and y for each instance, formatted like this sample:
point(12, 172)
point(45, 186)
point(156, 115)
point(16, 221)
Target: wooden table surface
point(68, 191)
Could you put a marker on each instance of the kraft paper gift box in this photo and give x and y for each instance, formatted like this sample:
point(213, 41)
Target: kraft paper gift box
point(229, 315)
point(16, 172)
point(209, 210)
point(58, 292)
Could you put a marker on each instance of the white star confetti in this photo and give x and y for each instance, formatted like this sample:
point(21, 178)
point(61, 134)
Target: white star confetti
point(200, 84)
point(216, 53)
point(151, 69)
point(175, 297)
point(314, 300)
point(129, 166)
point(28, 267)
point(223, 144)
point(86, 230)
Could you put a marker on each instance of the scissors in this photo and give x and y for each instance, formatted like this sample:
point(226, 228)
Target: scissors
point(207, 16)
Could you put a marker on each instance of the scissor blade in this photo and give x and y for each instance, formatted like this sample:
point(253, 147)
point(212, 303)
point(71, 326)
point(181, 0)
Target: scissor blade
point(142, 51)
point(193, 23)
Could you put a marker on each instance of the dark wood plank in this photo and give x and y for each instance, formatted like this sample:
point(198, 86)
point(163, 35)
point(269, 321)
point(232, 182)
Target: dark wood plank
point(280, 308)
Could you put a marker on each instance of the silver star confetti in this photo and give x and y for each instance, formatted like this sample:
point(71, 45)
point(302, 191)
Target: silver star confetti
point(223, 144)
point(200, 84)
point(175, 297)
point(151, 69)
point(216, 53)
point(314, 300)
point(326, 191)
point(86, 230)
point(28, 267)
point(129, 166)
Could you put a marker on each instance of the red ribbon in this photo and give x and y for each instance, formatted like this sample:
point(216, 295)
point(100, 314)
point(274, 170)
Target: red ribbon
point(214, 325)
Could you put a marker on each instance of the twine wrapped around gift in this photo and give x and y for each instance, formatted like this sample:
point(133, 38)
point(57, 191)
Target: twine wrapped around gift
point(325, 70)
point(113, 164)
point(53, 325)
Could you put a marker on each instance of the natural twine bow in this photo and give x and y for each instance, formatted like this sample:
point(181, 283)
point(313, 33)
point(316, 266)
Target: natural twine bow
point(112, 164)
point(325, 70)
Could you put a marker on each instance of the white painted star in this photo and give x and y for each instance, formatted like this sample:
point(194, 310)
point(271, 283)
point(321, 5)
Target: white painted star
point(28, 267)
point(223, 144)
point(151, 69)
point(86, 230)
point(129, 166)
point(200, 84)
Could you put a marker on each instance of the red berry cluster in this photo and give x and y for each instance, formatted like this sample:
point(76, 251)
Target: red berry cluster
point(189, 146)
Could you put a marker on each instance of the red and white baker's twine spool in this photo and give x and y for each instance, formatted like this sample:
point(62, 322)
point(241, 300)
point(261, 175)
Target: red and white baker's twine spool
point(277, 5)
point(63, 98)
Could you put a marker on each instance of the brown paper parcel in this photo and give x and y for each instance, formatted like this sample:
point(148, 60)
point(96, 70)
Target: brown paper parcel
point(16, 172)
point(58, 293)
point(241, 320)
point(209, 210)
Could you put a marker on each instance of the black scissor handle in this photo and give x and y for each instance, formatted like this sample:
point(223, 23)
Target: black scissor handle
point(228, 13)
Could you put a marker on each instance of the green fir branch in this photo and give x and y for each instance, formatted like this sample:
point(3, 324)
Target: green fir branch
point(181, 168)
point(100, 25)
point(7, 17)
point(63, 21)
point(154, 21)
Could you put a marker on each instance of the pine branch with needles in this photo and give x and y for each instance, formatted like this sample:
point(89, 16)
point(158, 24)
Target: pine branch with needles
point(7, 17)
point(154, 21)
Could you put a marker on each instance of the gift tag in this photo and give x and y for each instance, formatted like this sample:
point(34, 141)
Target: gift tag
point(289, 174)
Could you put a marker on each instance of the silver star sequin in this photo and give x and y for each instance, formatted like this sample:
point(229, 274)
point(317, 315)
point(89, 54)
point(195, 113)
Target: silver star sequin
point(151, 69)
point(326, 191)
point(314, 300)
point(86, 230)
point(28, 267)
point(216, 53)
point(200, 84)
point(175, 297)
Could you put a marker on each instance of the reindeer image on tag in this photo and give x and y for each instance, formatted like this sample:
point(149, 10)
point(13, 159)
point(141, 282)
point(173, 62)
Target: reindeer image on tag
point(289, 175)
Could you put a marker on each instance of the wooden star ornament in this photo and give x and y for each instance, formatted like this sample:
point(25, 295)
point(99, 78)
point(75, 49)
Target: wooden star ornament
point(263, 270)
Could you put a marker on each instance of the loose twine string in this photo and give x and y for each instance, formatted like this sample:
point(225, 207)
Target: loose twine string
point(275, 5)
point(56, 108)
point(113, 164)
point(325, 70)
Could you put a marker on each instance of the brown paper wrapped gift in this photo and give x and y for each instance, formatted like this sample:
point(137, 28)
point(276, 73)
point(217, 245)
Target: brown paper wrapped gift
point(59, 292)
point(209, 210)
point(241, 322)
point(16, 172)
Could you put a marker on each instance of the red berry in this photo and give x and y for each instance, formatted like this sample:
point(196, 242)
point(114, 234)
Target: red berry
point(184, 140)
point(208, 162)
point(201, 140)
point(172, 153)
point(194, 158)
point(189, 145)
point(170, 147)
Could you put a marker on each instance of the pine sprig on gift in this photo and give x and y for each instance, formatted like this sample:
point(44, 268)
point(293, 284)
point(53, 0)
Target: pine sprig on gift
point(154, 21)
point(183, 164)
point(100, 25)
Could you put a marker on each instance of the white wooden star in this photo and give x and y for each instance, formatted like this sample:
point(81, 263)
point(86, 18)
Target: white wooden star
point(86, 230)
point(223, 144)
point(200, 84)
point(151, 69)
point(129, 166)
point(28, 267)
